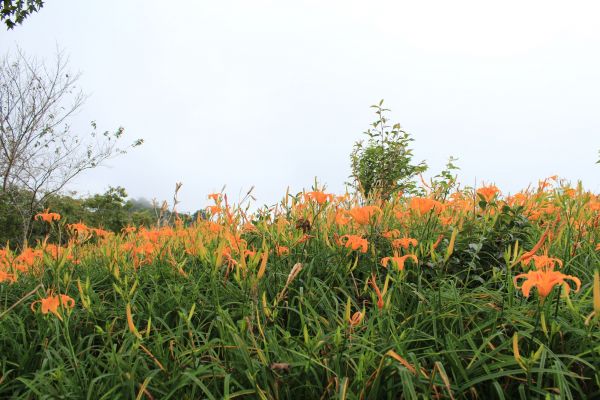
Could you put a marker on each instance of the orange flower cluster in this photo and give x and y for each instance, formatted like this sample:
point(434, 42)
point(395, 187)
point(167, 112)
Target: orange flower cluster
point(363, 215)
point(319, 197)
point(355, 242)
point(391, 234)
point(423, 205)
point(79, 227)
point(10, 263)
point(230, 238)
point(545, 280)
point(282, 250)
point(52, 303)
point(6, 277)
point(543, 277)
point(47, 216)
point(341, 217)
point(488, 192)
point(404, 243)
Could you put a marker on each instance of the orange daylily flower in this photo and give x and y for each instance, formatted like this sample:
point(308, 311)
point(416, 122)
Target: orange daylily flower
point(47, 216)
point(101, 232)
point(404, 242)
point(5, 276)
point(542, 211)
point(235, 240)
point(80, 231)
point(304, 238)
point(341, 198)
point(145, 249)
point(154, 235)
point(53, 250)
point(56, 251)
point(228, 258)
point(446, 220)
point(52, 303)
point(424, 204)
point(363, 215)
point(398, 261)
point(544, 262)
point(355, 242)
point(80, 227)
point(214, 209)
point(341, 217)
point(400, 214)
point(27, 258)
point(215, 197)
point(282, 250)
point(319, 197)
point(545, 280)
point(598, 247)
point(391, 234)
point(518, 199)
point(214, 227)
point(129, 229)
point(249, 227)
point(488, 192)
point(249, 253)
point(543, 184)
point(141, 254)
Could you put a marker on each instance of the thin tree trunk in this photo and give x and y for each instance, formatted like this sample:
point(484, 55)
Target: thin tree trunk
point(25, 235)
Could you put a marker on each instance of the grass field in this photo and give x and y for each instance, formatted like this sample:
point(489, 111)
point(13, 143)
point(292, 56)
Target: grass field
point(469, 294)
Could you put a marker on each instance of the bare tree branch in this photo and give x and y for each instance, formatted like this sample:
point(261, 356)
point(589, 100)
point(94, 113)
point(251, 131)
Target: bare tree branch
point(39, 152)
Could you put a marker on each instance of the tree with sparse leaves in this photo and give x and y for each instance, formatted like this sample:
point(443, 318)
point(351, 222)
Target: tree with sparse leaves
point(39, 151)
point(14, 12)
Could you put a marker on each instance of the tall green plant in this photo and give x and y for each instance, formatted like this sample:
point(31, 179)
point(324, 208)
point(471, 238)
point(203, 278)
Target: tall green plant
point(383, 164)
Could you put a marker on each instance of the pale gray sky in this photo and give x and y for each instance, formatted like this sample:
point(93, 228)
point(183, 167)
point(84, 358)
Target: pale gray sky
point(274, 93)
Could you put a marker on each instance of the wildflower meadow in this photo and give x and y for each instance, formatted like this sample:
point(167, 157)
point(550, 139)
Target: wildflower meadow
point(445, 292)
point(385, 278)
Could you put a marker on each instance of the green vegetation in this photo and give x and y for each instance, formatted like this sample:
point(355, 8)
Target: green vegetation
point(14, 12)
point(111, 211)
point(418, 297)
point(383, 165)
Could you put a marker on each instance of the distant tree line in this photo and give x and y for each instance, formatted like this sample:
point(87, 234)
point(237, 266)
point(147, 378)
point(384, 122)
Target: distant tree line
point(111, 211)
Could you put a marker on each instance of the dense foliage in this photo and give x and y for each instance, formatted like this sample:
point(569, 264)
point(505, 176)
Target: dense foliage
point(14, 12)
point(473, 295)
point(383, 165)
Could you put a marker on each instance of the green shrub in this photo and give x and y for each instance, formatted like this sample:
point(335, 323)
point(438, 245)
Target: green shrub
point(383, 165)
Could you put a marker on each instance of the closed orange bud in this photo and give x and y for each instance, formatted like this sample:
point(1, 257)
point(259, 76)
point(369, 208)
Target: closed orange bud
point(356, 319)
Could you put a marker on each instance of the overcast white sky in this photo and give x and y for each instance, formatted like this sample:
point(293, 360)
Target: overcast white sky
point(274, 93)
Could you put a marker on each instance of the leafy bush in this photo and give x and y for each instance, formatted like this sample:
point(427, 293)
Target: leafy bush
point(383, 165)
